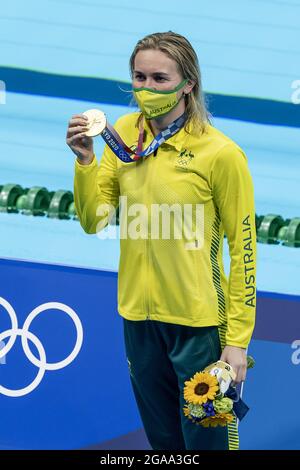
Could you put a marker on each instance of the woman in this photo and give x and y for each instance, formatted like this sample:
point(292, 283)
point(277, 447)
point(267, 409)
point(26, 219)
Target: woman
point(180, 311)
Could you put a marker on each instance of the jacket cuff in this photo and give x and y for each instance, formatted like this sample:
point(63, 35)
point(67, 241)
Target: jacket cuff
point(81, 167)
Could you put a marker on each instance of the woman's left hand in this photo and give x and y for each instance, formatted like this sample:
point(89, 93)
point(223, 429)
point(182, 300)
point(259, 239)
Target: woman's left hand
point(237, 358)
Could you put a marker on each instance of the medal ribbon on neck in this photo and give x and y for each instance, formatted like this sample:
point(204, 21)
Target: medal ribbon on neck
point(120, 149)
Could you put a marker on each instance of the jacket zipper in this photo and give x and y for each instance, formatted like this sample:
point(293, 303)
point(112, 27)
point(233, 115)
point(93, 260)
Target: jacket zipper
point(148, 278)
point(148, 248)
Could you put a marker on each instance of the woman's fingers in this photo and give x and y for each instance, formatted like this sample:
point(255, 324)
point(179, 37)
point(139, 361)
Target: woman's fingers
point(79, 116)
point(241, 375)
point(76, 130)
point(74, 138)
point(78, 122)
point(77, 140)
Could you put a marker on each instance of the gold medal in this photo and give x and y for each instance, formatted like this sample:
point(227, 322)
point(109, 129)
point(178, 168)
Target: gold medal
point(96, 122)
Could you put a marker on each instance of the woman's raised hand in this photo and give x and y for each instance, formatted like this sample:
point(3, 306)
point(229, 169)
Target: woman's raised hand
point(78, 142)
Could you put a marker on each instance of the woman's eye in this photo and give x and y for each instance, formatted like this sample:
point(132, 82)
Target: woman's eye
point(142, 78)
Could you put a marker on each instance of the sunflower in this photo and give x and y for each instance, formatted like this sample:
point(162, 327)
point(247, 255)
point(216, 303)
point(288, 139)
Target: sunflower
point(200, 388)
point(220, 419)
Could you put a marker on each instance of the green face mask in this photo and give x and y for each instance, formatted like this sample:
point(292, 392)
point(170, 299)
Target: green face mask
point(155, 103)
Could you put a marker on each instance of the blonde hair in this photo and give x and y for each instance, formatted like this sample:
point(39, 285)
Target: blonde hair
point(178, 48)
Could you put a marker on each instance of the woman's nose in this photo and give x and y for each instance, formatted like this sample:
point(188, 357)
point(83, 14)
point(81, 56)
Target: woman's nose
point(149, 83)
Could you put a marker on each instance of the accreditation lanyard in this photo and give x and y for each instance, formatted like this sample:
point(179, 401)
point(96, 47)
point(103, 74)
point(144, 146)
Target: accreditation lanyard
point(123, 152)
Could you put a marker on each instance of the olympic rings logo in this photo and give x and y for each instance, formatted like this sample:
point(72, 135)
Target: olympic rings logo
point(122, 154)
point(26, 335)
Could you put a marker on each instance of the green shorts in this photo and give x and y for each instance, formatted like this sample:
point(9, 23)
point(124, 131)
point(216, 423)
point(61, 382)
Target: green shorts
point(161, 357)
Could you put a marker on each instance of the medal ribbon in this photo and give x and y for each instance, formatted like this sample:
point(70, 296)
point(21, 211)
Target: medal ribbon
point(118, 146)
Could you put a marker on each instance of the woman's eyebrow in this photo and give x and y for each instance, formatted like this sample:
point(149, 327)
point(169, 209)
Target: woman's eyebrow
point(154, 73)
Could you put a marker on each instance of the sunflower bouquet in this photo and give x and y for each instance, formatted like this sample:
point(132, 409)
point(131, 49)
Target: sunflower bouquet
point(210, 398)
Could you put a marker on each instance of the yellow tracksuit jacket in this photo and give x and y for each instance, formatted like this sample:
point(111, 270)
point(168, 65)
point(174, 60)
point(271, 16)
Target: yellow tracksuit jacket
point(174, 279)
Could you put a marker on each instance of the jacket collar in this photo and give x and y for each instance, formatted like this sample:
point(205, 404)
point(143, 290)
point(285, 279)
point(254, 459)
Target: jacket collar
point(177, 140)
